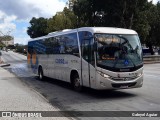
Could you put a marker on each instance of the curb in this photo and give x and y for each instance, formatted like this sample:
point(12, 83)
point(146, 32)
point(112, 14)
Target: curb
point(4, 65)
point(151, 62)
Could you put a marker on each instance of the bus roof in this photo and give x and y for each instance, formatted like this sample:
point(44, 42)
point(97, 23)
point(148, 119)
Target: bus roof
point(109, 30)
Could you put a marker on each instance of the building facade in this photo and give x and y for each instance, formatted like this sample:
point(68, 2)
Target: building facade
point(7, 43)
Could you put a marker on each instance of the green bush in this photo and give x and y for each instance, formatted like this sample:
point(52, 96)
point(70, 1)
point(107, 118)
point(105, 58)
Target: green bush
point(21, 49)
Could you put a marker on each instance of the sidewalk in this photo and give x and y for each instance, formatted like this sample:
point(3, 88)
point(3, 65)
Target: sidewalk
point(17, 96)
point(2, 63)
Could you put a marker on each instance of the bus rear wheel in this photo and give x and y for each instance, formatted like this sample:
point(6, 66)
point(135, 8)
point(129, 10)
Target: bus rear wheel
point(40, 74)
point(76, 83)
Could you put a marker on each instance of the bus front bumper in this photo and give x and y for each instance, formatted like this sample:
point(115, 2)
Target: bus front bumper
point(107, 83)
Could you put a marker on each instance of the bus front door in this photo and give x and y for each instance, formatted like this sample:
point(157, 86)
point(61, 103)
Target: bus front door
point(88, 64)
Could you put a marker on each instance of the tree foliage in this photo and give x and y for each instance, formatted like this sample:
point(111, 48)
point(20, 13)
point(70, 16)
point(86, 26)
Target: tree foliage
point(6, 38)
point(38, 27)
point(62, 20)
point(129, 14)
point(154, 22)
point(139, 15)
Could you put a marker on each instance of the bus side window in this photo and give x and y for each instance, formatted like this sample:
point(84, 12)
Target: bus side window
point(30, 50)
point(71, 44)
point(30, 47)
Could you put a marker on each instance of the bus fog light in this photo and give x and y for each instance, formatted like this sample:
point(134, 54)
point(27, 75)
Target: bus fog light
point(102, 83)
point(104, 75)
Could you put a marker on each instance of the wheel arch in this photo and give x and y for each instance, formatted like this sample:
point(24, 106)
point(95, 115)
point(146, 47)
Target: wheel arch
point(72, 73)
point(39, 66)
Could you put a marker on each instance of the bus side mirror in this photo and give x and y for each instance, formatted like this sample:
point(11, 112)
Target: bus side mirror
point(95, 46)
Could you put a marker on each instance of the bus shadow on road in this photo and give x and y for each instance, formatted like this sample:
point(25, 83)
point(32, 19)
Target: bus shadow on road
point(60, 94)
point(100, 94)
point(65, 87)
point(108, 93)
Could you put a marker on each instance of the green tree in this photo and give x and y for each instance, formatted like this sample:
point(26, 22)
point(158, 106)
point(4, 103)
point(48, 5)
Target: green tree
point(6, 38)
point(131, 14)
point(38, 27)
point(154, 21)
point(83, 10)
point(157, 26)
point(139, 15)
point(62, 20)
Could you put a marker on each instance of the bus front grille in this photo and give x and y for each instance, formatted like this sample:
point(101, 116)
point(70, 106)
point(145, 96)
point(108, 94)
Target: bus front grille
point(123, 79)
point(122, 85)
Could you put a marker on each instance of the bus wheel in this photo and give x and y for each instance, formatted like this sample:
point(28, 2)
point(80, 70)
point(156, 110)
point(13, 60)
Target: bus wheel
point(76, 83)
point(40, 73)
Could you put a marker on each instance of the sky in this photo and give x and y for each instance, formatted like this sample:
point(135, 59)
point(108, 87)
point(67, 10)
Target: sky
point(16, 14)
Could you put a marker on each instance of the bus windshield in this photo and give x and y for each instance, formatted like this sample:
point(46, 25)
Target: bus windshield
point(118, 52)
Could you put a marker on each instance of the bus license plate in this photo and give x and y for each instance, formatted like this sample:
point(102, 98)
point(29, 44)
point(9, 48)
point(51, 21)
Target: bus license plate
point(124, 86)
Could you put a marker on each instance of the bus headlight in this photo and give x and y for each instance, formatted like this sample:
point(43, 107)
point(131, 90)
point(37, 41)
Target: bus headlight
point(106, 76)
point(139, 74)
point(103, 75)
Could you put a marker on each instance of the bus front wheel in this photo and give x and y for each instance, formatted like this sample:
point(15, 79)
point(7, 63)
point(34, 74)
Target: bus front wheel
point(76, 83)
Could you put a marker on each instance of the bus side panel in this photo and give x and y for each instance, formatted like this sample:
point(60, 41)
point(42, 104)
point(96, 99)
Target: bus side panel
point(43, 61)
point(74, 63)
point(60, 66)
point(32, 57)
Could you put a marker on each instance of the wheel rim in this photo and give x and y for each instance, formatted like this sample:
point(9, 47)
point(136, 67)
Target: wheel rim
point(40, 74)
point(77, 83)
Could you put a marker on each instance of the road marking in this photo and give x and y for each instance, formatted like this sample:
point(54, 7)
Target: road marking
point(152, 76)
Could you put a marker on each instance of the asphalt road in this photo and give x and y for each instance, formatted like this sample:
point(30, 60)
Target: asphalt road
point(60, 94)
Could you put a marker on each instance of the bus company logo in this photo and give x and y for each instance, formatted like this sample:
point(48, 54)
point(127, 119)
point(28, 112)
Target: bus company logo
point(61, 61)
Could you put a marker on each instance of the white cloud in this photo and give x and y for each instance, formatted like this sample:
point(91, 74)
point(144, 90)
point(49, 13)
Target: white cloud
point(26, 9)
point(48, 7)
point(21, 11)
point(21, 40)
point(1, 15)
point(154, 1)
point(24, 30)
point(6, 24)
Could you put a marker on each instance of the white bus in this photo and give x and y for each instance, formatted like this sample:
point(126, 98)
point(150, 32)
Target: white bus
point(95, 57)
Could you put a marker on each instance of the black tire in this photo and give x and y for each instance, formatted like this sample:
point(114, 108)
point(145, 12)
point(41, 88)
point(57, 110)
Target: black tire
point(40, 74)
point(76, 83)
